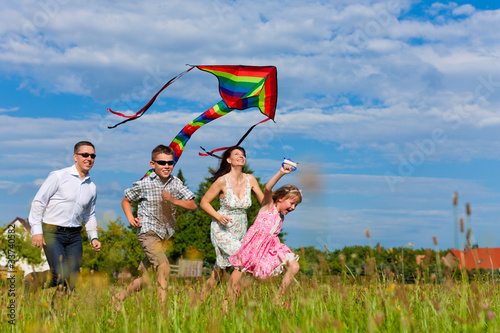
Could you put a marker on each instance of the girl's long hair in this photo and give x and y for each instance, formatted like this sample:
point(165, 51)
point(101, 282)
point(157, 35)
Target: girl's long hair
point(225, 167)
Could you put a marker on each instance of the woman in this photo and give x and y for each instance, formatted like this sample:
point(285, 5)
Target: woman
point(229, 223)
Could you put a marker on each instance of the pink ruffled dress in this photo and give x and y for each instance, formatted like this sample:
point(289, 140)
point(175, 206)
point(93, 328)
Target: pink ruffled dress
point(261, 253)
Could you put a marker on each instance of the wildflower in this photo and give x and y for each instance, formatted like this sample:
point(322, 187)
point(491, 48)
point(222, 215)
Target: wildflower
point(490, 315)
point(485, 305)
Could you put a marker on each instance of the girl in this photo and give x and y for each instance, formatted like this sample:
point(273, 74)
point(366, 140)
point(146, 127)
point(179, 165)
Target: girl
point(261, 253)
point(229, 223)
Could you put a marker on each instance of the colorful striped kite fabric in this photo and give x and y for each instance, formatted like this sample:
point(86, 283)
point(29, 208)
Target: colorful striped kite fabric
point(241, 87)
point(179, 143)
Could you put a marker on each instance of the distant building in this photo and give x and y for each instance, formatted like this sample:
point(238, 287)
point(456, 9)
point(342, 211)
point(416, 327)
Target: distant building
point(23, 229)
point(481, 257)
point(420, 259)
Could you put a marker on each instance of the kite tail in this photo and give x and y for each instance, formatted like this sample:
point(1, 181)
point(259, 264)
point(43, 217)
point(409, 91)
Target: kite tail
point(147, 106)
point(147, 174)
point(179, 143)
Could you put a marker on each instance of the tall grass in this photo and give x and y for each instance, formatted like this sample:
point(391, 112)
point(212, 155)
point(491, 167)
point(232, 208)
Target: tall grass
point(315, 303)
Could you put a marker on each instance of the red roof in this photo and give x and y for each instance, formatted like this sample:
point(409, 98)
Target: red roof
point(24, 222)
point(481, 257)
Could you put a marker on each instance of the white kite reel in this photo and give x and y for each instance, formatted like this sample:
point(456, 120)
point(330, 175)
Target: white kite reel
point(290, 163)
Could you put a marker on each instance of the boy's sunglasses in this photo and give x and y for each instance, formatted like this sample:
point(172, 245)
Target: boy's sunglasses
point(164, 162)
point(85, 155)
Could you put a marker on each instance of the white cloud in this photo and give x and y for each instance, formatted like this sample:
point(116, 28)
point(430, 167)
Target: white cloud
point(437, 7)
point(13, 109)
point(464, 10)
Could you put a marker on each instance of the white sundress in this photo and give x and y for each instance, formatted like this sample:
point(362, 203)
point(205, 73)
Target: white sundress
point(227, 239)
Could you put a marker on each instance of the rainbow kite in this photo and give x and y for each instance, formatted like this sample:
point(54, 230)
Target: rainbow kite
point(241, 87)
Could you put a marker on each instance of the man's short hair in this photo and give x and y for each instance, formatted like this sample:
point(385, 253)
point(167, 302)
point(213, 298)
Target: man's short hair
point(81, 144)
point(162, 149)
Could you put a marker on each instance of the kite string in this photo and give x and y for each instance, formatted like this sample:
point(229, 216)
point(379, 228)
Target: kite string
point(287, 159)
point(282, 145)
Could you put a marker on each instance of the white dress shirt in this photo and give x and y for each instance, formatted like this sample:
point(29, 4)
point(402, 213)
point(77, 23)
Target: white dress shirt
point(65, 200)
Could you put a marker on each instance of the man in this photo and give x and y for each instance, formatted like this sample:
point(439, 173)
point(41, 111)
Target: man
point(65, 199)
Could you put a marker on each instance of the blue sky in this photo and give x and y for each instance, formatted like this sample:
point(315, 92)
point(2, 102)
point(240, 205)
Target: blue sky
point(388, 106)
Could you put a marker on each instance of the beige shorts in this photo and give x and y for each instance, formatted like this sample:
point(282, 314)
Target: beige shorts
point(154, 247)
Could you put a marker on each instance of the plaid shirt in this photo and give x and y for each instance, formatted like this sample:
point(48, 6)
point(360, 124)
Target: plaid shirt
point(157, 214)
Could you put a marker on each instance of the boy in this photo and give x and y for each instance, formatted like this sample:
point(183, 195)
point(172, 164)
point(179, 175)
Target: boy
point(158, 196)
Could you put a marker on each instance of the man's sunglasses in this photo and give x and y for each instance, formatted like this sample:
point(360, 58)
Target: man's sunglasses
point(164, 162)
point(85, 155)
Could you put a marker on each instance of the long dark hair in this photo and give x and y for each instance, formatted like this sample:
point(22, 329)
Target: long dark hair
point(225, 167)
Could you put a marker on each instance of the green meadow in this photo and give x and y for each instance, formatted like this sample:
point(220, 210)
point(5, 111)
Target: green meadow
point(316, 303)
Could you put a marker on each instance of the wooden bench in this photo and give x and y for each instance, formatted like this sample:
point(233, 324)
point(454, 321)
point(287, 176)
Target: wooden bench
point(187, 268)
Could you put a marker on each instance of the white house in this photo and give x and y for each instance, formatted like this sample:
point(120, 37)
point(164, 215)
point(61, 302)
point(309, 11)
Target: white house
point(22, 230)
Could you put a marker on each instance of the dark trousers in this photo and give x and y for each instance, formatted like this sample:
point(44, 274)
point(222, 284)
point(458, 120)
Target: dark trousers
point(64, 251)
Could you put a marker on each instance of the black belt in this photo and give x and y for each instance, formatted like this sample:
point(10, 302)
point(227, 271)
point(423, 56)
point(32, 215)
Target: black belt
point(59, 228)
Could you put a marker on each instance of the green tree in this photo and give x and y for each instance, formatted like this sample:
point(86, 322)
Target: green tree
point(311, 260)
point(192, 230)
point(389, 263)
point(18, 243)
point(120, 250)
point(180, 175)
